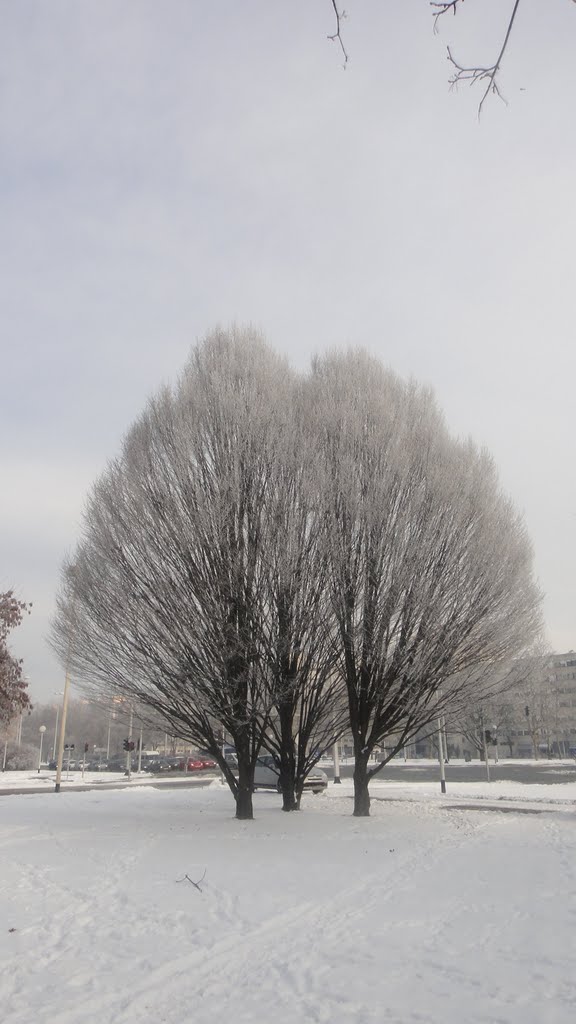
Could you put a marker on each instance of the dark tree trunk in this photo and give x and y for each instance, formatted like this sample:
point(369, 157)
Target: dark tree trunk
point(289, 801)
point(244, 809)
point(287, 758)
point(361, 794)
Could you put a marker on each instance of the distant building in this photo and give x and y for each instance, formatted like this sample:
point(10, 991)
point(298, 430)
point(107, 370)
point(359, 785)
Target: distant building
point(563, 680)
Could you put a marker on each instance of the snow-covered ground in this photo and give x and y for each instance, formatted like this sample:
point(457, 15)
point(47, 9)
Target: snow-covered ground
point(45, 779)
point(436, 909)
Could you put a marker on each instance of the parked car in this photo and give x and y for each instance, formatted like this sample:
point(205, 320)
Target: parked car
point(266, 776)
point(163, 764)
point(196, 764)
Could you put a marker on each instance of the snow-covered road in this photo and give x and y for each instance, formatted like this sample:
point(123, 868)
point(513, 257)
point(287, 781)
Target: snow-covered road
point(429, 911)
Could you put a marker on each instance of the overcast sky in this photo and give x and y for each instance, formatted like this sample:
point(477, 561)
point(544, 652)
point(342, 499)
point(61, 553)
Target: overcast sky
point(170, 166)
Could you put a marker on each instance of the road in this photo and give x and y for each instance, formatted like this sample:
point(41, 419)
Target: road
point(545, 773)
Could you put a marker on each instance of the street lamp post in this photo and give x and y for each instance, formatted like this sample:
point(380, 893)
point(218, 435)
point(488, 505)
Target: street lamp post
point(41, 730)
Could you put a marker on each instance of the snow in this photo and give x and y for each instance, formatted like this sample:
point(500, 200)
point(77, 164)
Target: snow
point(435, 909)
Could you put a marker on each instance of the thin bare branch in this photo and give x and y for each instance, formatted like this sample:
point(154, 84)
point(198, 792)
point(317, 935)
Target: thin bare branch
point(477, 73)
point(444, 8)
point(337, 36)
point(192, 882)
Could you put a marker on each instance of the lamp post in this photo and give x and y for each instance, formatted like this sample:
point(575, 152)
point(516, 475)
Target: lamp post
point(41, 730)
point(495, 741)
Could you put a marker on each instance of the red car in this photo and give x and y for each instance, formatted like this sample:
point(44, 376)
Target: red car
point(196, 764)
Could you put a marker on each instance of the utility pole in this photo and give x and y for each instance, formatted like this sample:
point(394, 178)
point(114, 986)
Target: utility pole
point(62, 732)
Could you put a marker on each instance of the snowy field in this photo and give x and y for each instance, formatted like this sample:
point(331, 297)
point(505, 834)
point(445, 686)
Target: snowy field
point(456, 909)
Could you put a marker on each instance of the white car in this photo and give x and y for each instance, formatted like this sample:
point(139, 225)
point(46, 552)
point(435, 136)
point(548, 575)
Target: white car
point(266, 776)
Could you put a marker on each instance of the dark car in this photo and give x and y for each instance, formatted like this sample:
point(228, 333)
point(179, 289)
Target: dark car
point(162, 764)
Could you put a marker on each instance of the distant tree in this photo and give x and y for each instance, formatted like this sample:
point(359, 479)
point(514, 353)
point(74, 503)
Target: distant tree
point(13, 687)
point(429, 566)
point(21, 757)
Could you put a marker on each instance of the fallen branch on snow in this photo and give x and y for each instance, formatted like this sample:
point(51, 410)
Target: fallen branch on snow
point(191, 880)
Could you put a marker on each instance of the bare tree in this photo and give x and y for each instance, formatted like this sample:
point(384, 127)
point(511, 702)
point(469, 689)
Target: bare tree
point(166, 598)
point(306, 694)
point(429, 565)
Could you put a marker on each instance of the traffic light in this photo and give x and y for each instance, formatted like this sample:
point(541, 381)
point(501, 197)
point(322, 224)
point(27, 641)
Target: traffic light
point(85, 748)
point(131, 745)
point(126, 744)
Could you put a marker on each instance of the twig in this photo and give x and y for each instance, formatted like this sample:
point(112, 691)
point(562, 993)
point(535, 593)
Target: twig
point(340, 15)
point(444, 8)
point(191, 880)
point(479, 74)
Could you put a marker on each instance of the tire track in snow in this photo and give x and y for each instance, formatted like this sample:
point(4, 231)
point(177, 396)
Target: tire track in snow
point(260, 951)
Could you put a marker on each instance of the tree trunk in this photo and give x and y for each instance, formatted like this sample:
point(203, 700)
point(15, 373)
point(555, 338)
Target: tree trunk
point(361, 794)
point(244, 810)
point(287, 758)
point(289, 802)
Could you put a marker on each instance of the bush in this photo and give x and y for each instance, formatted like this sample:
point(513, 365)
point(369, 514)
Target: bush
point(21, 758)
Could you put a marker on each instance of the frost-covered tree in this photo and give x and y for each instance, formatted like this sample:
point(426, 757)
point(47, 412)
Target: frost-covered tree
point(306, 697)
point(429, 565)
point(165, 600)
point(267, 553)
point(197, 590)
